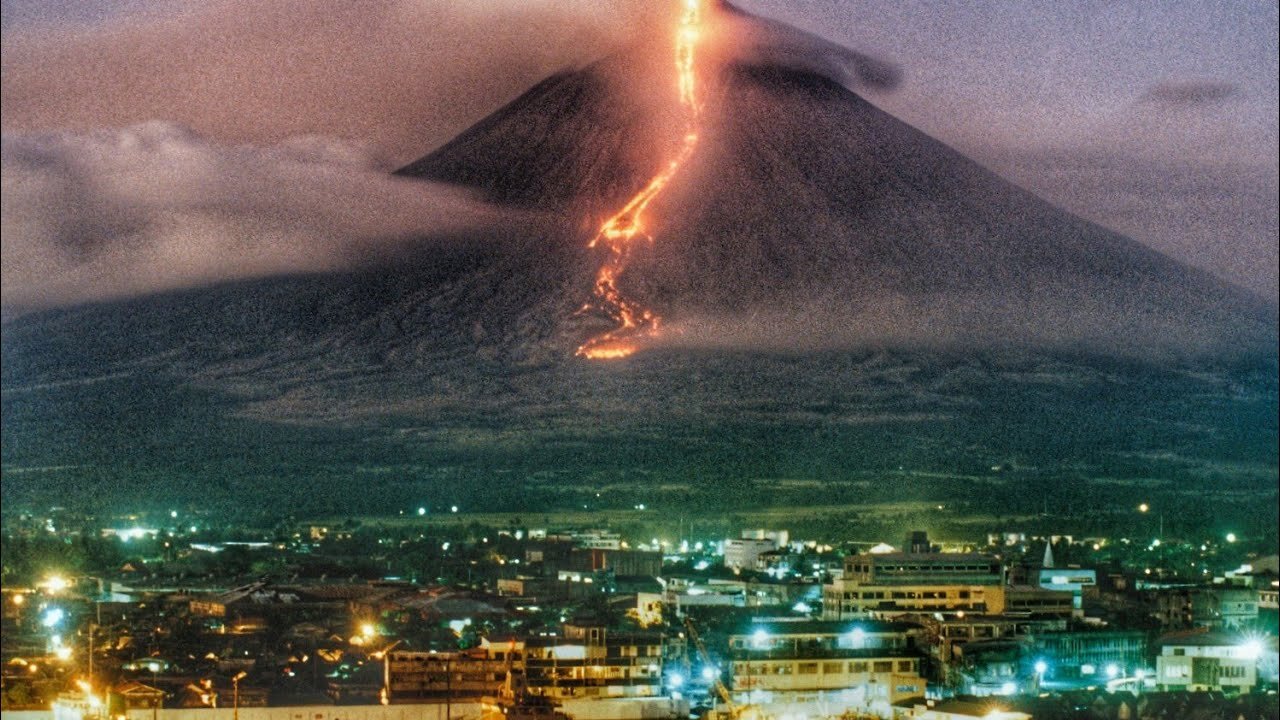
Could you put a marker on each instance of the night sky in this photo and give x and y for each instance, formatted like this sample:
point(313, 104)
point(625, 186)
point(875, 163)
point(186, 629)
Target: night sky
point(1158, 120)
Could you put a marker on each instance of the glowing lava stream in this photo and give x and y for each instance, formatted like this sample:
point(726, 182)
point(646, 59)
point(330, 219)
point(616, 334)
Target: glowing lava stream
point(620, 231)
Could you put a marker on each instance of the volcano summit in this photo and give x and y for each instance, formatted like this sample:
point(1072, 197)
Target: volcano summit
point(843, 296)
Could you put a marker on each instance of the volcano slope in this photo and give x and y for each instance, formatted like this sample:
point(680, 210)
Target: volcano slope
point(846, 298)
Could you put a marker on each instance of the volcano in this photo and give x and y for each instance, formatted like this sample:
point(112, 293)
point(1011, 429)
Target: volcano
point(844, 297)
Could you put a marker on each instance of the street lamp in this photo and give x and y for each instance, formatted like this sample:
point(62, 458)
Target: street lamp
point(235, 694)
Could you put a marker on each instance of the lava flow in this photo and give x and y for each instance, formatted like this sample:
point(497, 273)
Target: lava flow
point(620, 232)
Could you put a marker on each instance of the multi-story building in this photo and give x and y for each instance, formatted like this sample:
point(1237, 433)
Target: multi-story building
point(789, 667)
point(1212, 607)
point(943, 636)
point(1207, 661)
point(1030, 601)
point(887, 584)
point(417, 676)
point(1077, 581)
point(744, 553)
point(590, 661)
point(1086, 654)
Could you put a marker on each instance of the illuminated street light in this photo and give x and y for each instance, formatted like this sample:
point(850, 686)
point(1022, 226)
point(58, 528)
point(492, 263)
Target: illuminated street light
point(676, 680)
point(759, 638)
point(1041, 667)
point(55, 584)
point(1112, 670)
point(1231, 537)
point(709, 673)
point(52, 617)
point(1144, 507)
point(1251, 650)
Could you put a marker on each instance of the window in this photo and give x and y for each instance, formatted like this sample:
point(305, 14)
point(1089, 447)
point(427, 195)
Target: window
point(882, 666)
point(809, 668)
point(906, 666)
point(832, 668)
point(857, 667)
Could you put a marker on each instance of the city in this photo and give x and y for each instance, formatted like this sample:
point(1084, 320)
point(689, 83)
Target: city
point(441, 615)
point(639, 360)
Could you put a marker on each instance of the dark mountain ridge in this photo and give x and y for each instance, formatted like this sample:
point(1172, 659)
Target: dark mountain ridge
point(846, 296)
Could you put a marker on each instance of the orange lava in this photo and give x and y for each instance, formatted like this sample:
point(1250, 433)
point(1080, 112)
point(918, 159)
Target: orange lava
point(635, 322)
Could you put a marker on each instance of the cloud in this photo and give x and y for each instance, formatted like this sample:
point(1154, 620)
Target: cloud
point(770, 42)
point(1191, 93)
point(404, 75)
point(153, 207)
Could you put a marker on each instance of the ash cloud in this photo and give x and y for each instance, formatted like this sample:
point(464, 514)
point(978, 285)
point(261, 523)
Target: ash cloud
point(769, 42)
point(115, 213)
point(1191, 93)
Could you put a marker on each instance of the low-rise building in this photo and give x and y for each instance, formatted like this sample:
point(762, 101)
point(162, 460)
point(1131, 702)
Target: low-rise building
point(1204, 661)
point(744, 553)
point(1030, 601)
point(1216, 607)
point(591, 661)
point(885, 584)
point(784, 667)
point(1089, 654)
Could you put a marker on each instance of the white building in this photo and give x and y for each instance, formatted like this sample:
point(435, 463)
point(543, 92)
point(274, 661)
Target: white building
point(744, 553)
point(1207, 661)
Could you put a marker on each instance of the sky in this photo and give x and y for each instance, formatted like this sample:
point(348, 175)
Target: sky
point(137, 128)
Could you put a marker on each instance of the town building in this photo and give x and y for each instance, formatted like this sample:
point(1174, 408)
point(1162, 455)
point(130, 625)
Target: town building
point(593, 661)
point(791, 666)
point(886, 584)
point(1087, 655)
point(744, 553)
point(1207, 661)
point(1215, 607)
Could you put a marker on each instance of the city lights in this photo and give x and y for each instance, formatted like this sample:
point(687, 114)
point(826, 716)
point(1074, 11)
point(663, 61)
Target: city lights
point(52, 617)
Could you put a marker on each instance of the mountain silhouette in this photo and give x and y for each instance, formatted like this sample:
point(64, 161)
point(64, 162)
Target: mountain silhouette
point(842, 295)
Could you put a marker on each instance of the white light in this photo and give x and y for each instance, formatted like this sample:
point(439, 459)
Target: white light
point(453, 508)
point(52, 617)
point(422, 511)
point(1041, 667)
point(1155, 543)
point(1112, 670)
point(173, 513)
point(802, 607)
point(1231, 537)
point(676, 680)
point(759, 637)
point(709, 673)
point(1141, 674)
point(1008, 689)
point(701, 565)
point(1088, 669)
point(1251, 650)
